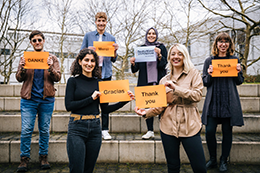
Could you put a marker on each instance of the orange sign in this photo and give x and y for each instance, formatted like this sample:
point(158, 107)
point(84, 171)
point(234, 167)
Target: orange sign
point(36, 60)
point(104, 48)
point(114, 91)
point(150, 96)
point(224, 68)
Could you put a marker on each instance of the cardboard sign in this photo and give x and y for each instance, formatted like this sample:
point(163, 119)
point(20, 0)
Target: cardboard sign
point(150, 96)
point(145, 54)
point(114, 91)
point(104, 48)
point(36, 60)
point(224, 67)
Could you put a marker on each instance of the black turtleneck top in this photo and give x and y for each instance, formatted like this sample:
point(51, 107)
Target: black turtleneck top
point(78, 98)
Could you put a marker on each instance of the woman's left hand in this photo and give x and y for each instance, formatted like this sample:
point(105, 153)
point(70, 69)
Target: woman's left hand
point(157, 51)
point(170, 84)
point(238, 68)
point(132, 96)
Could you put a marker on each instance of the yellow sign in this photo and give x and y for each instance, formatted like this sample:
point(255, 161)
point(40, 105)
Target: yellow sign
point(224, 68)
point(104, 48)
point(114, 91)
point(36, 60)
point(150, 96)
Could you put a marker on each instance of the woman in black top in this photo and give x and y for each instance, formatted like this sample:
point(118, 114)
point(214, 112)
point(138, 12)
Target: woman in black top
point(150, 73)
point(222, 104)
point(82, 99)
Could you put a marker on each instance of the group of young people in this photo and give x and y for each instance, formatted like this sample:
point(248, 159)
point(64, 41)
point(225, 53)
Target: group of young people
point(180, 120)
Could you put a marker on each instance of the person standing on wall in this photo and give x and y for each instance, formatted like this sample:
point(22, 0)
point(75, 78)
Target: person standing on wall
point(150, 73)
point(37, 97)
point(105, 63)
point(222, 104)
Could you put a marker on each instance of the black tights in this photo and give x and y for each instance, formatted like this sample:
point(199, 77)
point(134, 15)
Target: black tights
point(193, 148)
point(211, 127)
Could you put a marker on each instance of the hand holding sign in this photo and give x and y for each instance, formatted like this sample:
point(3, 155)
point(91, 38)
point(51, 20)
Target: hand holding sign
point(95, 95)
point(140, 111)
point(170, 84)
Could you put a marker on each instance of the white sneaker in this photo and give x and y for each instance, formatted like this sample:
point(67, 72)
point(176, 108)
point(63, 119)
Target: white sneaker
point(106, 135)
point(148, 135)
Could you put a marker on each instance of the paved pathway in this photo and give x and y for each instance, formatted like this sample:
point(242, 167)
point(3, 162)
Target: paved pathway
point(128, 168)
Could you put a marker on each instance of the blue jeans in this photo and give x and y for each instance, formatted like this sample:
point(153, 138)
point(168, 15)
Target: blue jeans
point(29, 110)
point(83, 144)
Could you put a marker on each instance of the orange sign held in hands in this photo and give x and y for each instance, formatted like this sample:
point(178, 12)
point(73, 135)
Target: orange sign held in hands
point(224, 68)
point(36, 60)
point(104, 48)
point(114, 91)
point(150, 96)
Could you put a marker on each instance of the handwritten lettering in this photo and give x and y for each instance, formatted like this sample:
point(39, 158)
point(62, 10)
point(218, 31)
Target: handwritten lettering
point(103, 49)
point(145, 94)
point(224, 65)
point(117, 91)
point(223, 71)
point(145, 52)
point(35, 60)
point(149, 101)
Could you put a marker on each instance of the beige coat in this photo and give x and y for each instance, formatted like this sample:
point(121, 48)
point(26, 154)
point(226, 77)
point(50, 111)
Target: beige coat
point(181, 117)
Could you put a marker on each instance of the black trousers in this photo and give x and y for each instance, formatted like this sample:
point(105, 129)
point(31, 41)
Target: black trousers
point(193, 148)
point(149, 123)
point(211, 128)
point(105, 117)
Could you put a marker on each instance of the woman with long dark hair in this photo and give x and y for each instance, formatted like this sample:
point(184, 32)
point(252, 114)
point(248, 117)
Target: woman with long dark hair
point(82, 99)
point(222, 103)
point(150, 73)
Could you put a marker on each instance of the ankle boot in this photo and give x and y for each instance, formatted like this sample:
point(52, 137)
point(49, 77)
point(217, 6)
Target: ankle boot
point(44, 162)
point(212, 163)
point(23, 167)
point(223, 164)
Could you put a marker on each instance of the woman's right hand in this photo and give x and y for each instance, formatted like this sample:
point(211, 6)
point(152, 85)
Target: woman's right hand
point(210, 70)
point(95, 95)
point(132, 61)
point(140, 111)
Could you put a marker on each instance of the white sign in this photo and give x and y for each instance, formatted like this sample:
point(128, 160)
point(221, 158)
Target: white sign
point(145, 54)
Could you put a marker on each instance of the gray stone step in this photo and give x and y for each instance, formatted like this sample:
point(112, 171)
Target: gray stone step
point(119, 122)
point(249, 104)
point(128, 148)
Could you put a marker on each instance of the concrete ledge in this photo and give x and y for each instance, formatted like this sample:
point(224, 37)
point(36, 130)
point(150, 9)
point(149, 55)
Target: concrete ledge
point(4, 151)
point(128, 152)
point(118, 123)
point(136, 151)
point(2, 105)
point(109, 152)
point(12, 103)
point(6, 90)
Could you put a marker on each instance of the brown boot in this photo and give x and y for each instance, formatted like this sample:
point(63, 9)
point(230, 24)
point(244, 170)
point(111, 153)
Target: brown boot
point(44, 162)
point(23, 167)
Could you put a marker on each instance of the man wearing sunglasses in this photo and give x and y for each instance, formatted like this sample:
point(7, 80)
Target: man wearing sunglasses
point(105, 63)
point(37, 97)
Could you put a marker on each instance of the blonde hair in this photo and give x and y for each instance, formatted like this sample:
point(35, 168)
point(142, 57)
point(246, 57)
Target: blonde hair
point(187, 64)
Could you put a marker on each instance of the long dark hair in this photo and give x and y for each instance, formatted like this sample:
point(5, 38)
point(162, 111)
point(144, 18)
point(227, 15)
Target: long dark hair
point(76, 68)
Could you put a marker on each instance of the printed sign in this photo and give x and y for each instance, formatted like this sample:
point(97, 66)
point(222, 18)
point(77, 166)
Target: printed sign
point(145, 54)
point(36, 60)
point(114, 91)
point(224, 68)
point(150, 96)
point(104, 48)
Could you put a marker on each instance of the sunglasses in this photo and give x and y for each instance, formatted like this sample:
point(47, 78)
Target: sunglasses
point(35, 40)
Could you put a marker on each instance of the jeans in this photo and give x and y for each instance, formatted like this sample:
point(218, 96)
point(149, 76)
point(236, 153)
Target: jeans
point(193, 148)
point(29, 110)
point(211, 136)
point(83, 144)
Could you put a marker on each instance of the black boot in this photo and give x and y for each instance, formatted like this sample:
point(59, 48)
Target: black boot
point(223, 164)
point(212, 163)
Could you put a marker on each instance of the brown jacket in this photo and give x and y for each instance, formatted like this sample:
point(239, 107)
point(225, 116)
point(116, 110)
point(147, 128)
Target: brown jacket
point(181, 117)
point(51, 75)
